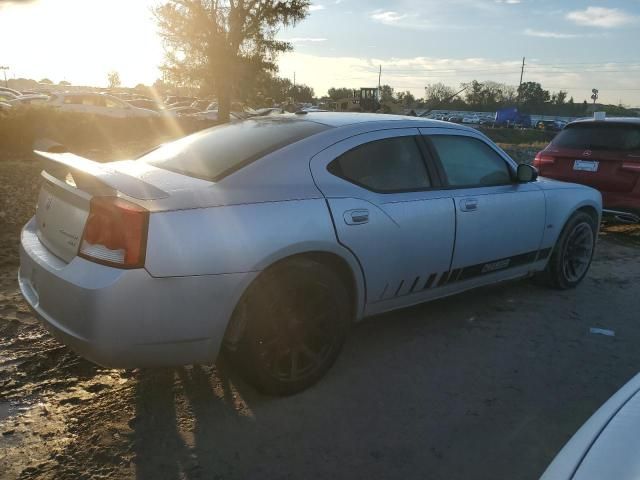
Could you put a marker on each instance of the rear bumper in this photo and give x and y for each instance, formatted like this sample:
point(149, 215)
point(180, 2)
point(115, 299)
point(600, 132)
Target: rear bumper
point(127, 318)
point(621, 201)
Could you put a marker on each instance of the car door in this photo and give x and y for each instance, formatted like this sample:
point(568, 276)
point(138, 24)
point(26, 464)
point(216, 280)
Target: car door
point(499, 222)
point(388, 211)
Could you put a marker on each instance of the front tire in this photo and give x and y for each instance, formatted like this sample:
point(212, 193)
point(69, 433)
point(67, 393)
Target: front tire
point(572, 255)
point(295, 319)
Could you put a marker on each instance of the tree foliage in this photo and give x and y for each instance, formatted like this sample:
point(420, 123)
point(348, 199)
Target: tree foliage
point(532, 94)
point(113, 79)
point(340, 93)
point(222, 44)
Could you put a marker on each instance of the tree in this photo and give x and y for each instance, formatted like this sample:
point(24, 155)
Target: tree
point(340, 93)
point(220, 43)
point(560, 97)
point(386, 94)
point(64, 83)
point(532, 94)
point(406, 99)
point(113, 79)
point(438, 94)
point(303, 93)
point(46, 81)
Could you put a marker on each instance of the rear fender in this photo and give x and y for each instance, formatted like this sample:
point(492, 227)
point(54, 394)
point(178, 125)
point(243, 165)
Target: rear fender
point(242, 238)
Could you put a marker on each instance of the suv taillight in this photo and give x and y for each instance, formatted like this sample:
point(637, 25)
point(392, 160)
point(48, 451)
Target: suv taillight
point(542, 160)
point(115, 233)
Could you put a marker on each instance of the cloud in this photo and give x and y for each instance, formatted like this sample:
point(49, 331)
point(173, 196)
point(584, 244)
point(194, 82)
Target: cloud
point(387, 17)
point(544, 34)
point(601, 17)
point(305, 40)
point(509, 2)
point(8, 3)
point(315, 8)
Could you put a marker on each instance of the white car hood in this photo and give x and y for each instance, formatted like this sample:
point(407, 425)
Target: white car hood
point(607, 446)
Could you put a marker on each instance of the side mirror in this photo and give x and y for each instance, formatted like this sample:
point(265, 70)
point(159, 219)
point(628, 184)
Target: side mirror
point(526, 173)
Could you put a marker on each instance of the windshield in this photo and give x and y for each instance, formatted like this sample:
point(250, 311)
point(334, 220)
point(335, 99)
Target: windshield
point(599, 136)
point(215, 153)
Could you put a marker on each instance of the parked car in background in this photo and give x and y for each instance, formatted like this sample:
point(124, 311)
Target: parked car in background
point(7, 96)
point(201, 105)
point(473, 119)
point(146, 104)
point(604, 154)
point(269, 237)
point(212, 115)
point(454, 119)
point(549, 125)
point(29, 99)
point(179, 111)
point(173, 99)
point(10, 90)
point(98, 104)
point(607, 445)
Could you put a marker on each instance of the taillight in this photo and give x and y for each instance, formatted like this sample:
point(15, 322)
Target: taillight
point(541, 160)
point(115, 233)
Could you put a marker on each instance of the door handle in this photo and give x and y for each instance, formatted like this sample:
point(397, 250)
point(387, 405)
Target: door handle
point(356, 217)
point(468, 204)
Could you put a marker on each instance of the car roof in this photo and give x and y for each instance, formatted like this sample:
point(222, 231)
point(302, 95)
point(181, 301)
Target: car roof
point(625, 120)
point(341, 119)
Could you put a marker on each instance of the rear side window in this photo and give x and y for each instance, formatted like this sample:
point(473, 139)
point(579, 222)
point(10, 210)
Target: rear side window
point(217, 152)
point(389, 165)
point(599, 136)
point(468, 162)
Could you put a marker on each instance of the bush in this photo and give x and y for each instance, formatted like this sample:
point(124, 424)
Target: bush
point(21, 128)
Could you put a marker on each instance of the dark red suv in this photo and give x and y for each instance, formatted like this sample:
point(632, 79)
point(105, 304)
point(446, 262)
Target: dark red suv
point(604, 154)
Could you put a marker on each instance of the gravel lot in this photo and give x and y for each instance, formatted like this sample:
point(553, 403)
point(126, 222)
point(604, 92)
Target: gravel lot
point(488, 384)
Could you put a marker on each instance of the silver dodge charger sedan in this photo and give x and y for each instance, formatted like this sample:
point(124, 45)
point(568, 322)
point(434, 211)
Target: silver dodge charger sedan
point(267, 238)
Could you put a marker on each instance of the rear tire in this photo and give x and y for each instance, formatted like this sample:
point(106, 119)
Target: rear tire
point(296, 317)
point(572, 255)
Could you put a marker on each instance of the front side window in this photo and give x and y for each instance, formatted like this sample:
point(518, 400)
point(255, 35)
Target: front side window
point(389, 165)
point(468, 162)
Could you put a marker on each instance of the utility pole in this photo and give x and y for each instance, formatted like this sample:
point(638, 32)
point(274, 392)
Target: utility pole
point(4, 70)
point(521, 73)
point(379, 77)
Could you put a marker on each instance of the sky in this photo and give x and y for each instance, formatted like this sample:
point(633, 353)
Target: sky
point(572, 45)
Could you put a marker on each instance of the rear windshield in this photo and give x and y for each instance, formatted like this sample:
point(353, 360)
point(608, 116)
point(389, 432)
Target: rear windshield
point(215, 153)
point(599, 136)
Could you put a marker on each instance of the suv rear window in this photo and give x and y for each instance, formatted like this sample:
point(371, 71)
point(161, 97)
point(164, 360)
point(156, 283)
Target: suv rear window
point(599, 136)
point(217, 152)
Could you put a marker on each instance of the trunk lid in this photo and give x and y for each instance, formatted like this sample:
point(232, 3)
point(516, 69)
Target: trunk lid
point(609, 171)
point(69, 183)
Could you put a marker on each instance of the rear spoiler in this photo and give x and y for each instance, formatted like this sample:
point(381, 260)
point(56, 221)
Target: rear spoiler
point(94, 176)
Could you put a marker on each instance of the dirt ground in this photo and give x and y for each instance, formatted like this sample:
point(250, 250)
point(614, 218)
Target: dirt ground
point(485, 385)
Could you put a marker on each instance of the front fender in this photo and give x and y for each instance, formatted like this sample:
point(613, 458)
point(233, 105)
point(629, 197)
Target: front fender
point(561, 203)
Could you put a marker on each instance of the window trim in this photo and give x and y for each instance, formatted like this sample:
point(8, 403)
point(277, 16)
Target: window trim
point(432, 174)
point(441, 171)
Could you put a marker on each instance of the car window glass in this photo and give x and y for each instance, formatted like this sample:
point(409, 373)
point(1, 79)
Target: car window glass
point(111, 103)
point(392, 164)
point(593, 136)
point(470, 162)
point(215, 153)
